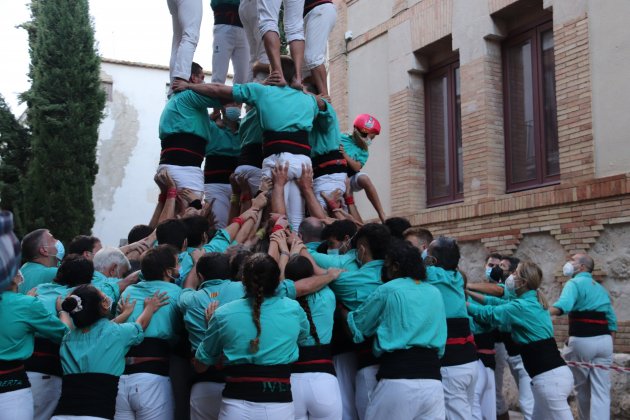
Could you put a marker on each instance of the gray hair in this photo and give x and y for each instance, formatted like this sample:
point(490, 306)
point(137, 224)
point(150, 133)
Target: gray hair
point(108, 256)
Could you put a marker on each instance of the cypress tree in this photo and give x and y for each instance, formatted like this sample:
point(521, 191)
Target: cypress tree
point(65, 105)
point(14, 156)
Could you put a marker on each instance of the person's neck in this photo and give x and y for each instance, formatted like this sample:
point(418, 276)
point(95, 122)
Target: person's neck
point(45, 261)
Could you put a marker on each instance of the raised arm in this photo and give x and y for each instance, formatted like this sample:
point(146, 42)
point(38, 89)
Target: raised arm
point(213, 90)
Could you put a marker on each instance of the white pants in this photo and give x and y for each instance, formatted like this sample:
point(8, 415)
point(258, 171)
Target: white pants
point(346, 369)
point(190, 177)
point(365, 384)
point(316, 395)
point(354, 181)
point(269, 12)
point(248, 12)
point(501, 359)
point(144, 396)
point(186, 15)
point(318, 23)
point(327, 184)
point(484, 405)
point(229, 42)
point(551, 390)
point(524, 384)
point(407, 399)
point(17, 405)
point(46, 390)
point(459, 390)
point(292, 197)
point(591, 384)
point(205, 400)
point(64, 417)
point(232, 409)
point(220, 193)
point(252, 174)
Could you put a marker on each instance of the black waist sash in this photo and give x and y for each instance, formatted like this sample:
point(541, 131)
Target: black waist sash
point(314, 359)
point(183, 149)
point(587, 324)
point(251, 155)
point(341, 342)
point(541, 356)
point(13, 376)
point(295, 142)
point(413, 363)
point(218, 168)
point(45, 358)
point(485, 349)
point(227, 14)
point(150, 356)
point(258, 383)
point(311, 4)
point(365, 357)
point(329, 163)
point(460, 344)
point(512, 348)
point(88, 394)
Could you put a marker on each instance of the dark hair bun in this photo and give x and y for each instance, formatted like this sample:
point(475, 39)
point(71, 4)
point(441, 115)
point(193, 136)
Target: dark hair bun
point(69, 304)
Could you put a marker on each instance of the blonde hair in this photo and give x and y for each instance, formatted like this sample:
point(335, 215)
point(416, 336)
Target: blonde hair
point(531, 273)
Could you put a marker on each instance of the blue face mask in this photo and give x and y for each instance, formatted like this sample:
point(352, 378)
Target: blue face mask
point(488, 271)
point(333, 252)
point(368, 142)
point(61, 251)
point(424, 254)
point(232, 113)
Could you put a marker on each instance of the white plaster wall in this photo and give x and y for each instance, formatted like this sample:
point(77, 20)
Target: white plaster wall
point(368, 92)
point(364, 15)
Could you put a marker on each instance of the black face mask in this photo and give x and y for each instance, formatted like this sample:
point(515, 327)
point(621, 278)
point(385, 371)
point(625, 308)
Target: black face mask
point(497, 274)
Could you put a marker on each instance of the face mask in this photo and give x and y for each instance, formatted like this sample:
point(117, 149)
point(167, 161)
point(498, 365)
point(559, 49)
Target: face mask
point(358, 259)
point(488, 271)
point(424, 254)
point(232, 113)
point(510, 285)
point(332, 252)
point(368, 142)
point(61, 251)
point(568, 269)
point(175, 276)
point(108, 302)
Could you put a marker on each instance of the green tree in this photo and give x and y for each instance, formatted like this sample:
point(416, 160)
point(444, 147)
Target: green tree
point(15, 150)
point(65, 106)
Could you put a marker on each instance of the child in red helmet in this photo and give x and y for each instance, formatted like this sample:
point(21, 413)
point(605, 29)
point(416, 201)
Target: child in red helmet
point(354, 148)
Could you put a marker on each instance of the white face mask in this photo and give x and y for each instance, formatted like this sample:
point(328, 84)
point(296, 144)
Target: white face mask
point(568, 269)
point(510, 284)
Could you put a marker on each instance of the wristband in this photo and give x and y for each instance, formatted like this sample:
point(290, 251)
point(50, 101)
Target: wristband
point(349, 200)
point(162, 198)
point(245, 197)
point(171, 193)
point(284, 253)
point(238, 220)
point(277, 228)
point(234, 199)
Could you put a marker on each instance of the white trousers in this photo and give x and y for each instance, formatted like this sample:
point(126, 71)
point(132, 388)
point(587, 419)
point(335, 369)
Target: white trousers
point(406, 399)
point(220, 193)
point(316, 395)
point(501, 360)
point(327, 184)
point(484, 405)
point(591, 384)
point(292, 197)
point(205, 400)
point(524, 384)
point(346, 369)
point(248, 12)
point(232, 409)
point(190, 177)
point(229, 42)
point(186, 16)
point(252, 174)
point(551, 390)
point(365, 384)
point(459, 390)
point(77, 418)
point(17, 405)
point(46, 390)
point(269, 12)
point(354, 181)
point(318, 23)
point(144, 396)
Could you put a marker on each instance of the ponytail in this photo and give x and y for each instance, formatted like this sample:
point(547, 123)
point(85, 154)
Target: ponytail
point(542, 299)
point(258, 300)
point(313, 331)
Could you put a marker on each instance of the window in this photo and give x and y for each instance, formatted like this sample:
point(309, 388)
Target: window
point(445, 179)
point(531, 126)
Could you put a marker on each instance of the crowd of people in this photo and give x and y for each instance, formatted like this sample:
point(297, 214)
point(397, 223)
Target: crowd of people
point(256, 290)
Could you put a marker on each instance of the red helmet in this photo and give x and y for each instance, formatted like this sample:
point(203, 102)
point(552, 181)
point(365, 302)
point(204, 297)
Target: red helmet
point(367, 124)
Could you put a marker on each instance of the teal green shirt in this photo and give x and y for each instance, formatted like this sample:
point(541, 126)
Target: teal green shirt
point(223, 141)
point(279, 108)
point(193, 304)
point(283, 325)
point(107, 285)
point(166, 323)
point(219, 243)
point(187, 112)
point(451, 286)
point(347, 261)
point(524, 316)
point(47, 294)
point(325, 136)
point(36, 274)
point(475, 326)
point(322, 305)
point(352, 288)
point(100, 349)
point(583, 293)
point(401, 314)
point(22, 316)
point(354, 151)
point(249, 130)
